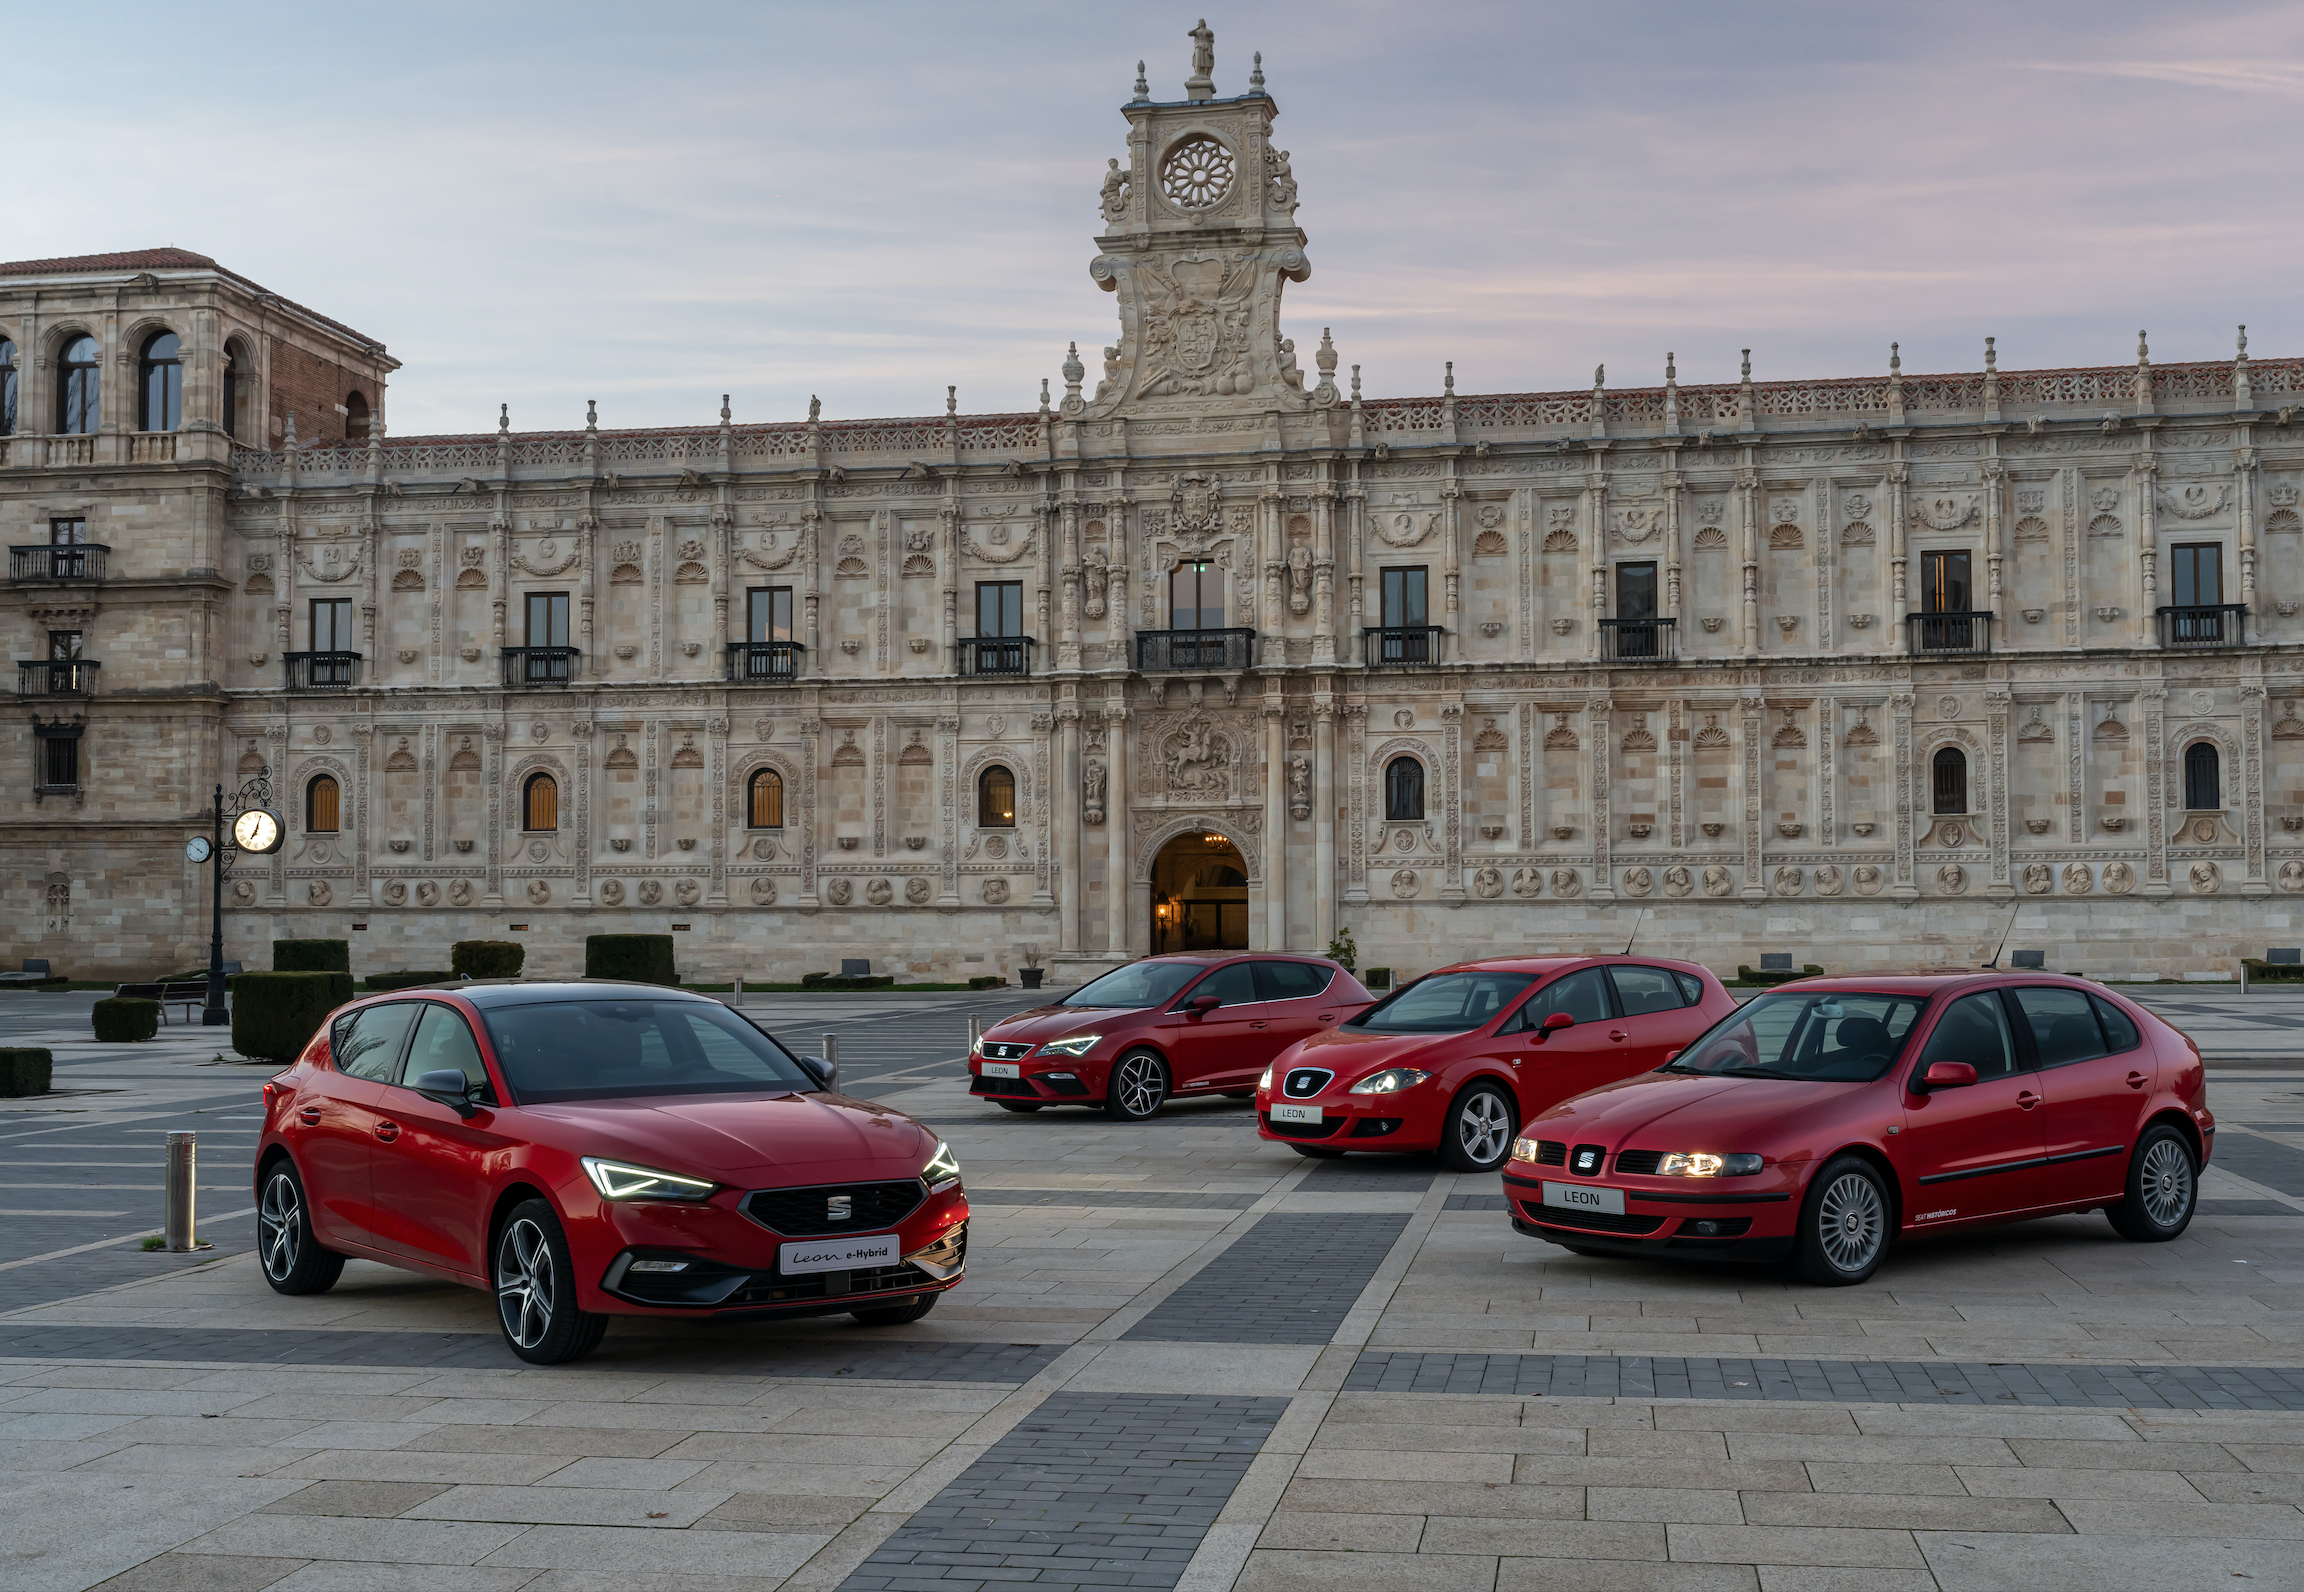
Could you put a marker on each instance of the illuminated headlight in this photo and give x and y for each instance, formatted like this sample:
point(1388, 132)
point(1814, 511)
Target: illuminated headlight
point(618, 1180)
point(1390, 1081)
point(1524, 1149)
point(1703, 1163)
point(1265, 1082)
point(1077, 1045)
point(942, 1171)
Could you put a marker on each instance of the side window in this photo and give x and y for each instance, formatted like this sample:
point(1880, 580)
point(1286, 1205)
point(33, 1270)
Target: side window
point(443, 1044)
point(1232, 986)
point(1289, 981)
point(1974, 1029)
point(370, 1045)
point(2063, 1025)
point(1582, 995)
point(1641, 990)
point(1691, 989)
point(2119, 1028)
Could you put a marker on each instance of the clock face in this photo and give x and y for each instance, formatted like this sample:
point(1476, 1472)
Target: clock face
point(197, 848)
point(257, 830)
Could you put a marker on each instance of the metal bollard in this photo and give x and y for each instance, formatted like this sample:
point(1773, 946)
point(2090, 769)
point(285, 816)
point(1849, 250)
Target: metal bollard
point(738, 1000)
point(176, 1223)
point(832, 1051)
point(2243, 975)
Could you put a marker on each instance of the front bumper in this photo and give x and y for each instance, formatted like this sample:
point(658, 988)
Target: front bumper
point(1044, 1078)
point(1731, 1224)
point(1408, 1120)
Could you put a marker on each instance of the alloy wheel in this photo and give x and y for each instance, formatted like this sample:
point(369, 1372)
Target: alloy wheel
point(280, 1227)
point(2167, 1181)
point(525, 1285)
point(1484, 1127)
point(1851, 1222)
point(1139, 1085)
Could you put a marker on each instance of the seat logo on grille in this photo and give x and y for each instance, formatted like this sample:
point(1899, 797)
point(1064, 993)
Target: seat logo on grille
point(1305, 1081)
point(839, 1207)
point(1587, 1159)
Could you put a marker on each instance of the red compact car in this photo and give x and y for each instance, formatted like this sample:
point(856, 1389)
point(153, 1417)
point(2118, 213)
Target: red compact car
point(1829, 1116)
point(1162, 1027)
point(1454, 1061)
point(595, 1149)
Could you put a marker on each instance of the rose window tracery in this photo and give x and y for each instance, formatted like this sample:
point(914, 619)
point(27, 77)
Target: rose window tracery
point(1197, 173)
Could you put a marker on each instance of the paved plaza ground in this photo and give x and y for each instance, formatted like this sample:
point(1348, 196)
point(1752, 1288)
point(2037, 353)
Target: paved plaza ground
point(1181, 1358)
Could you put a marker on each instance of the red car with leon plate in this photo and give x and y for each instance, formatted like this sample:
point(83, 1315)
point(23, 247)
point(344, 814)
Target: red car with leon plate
point(1456, 1060)
point(1830, 1116)
point(593, 1150)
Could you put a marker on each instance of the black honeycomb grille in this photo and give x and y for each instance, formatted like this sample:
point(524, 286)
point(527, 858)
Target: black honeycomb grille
point(807, 1212)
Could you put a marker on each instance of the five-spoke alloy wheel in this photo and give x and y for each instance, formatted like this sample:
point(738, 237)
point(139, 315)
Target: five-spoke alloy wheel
point(536, 1290)
point(293, 1261)
point(1477, 1134)
point(2163, 1188)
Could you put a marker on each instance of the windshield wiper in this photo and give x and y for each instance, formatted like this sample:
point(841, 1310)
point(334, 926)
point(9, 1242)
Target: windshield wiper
point(1755, 1072)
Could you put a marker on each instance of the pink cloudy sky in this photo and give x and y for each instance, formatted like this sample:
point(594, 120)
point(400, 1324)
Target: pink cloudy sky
point(653, 205)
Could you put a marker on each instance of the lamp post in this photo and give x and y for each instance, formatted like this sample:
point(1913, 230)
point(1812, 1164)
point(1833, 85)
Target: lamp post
point(255, 828)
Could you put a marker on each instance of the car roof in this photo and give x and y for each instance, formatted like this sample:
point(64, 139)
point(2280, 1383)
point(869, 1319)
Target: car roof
point(524, 992)
point(1932, 980)
point(1551, 964)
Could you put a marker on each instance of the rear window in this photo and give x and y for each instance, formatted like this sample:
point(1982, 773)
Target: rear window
point(2119, 1029)
point(1641, 990)
point(618, 1049)
point(1290, 981)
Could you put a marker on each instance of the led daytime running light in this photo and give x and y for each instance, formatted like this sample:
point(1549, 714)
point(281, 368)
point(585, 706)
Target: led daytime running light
point(1077, 1045)
point(618, 1180)
point(943, 1169)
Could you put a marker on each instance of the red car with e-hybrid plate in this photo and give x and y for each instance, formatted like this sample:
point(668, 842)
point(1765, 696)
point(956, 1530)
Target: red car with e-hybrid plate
point(1161, 1027)
point(1454, 1061)
point(1831, 1115)
point(593, 1150)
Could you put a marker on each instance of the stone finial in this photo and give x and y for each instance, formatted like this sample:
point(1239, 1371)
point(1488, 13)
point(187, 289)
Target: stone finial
point(2243, 345)
point(1747, 364)
point(1143, 88)
point(290, 445)
point(1991, 382)
point(952, 401)
point(1043, 397)
point(1256, 76)
point(1991, 356)
point(1326, 357)
point(1450, 385)
point(725, 414)
point(2143, 351)
point(1355, 386)
point(1895, 359)
point(1074, 372)
point(815, 409)
point(591, 414)
point(504, 420)
point(2143, 375)
point(2243, 390)
point(1671, 396)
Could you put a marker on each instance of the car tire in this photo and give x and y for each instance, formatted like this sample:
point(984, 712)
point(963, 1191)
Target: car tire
point(293, 1261)
point(1846, 1223)
point(1018, 1105)
point(536, 1289)
point(1316, 1152)
point(1138, 1088)
point(897, 1315)
point(2163, 1188)
point(1476, 1131)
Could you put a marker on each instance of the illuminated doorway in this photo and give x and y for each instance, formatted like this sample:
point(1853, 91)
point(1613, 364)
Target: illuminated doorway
point(1199, 896)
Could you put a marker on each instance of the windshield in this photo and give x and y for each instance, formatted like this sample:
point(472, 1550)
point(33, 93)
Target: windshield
point(1445, 1003)
point(1138, 984)
point(1829, 1038)
point(606, 1050)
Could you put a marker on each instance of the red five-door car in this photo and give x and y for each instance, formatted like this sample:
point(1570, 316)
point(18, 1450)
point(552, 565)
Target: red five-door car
point(1831, 1115)
point(1161, 1027)
point(587, 1150)
point(1454, 1061)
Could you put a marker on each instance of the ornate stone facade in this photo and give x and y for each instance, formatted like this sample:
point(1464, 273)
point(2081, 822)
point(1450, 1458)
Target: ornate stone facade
point(1923, 652)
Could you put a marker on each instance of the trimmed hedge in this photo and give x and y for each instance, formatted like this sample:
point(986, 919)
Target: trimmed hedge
point(2263, 972)
point(1747, 975)
point(635, 958)
point(380, 983)
point(125, 1019)
point(988, 981)
point(24, 1071)
point(861, 981)
point(274, 1015)
point(487, 958)
point(311, 956)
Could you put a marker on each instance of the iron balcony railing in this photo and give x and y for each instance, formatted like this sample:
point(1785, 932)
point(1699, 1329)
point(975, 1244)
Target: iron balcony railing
point(1401, 646)
point(1639, 640)
point(322, 671)
point(2217, 626)
point(765, 660)
point(57, 561)
point(540, 665)
point(1158, 650)
point(995, 655)
point(56, 677)
point(1950, 633)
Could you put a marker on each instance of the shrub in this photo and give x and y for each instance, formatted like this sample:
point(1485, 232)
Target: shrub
point(311, 956)
point(379, 983)
point(274, 1015)
point(1344, 951)
point(25, 1071)
point(1746, 975)
point(2263, 972)
point(635, 958)
point(988, 981)
point(487, 958)
point(125, 1019)
point(856, 980)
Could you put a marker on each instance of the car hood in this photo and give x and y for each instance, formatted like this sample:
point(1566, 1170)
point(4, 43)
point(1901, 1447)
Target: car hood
point(1776, 1117)
point(1353, 1053)
point(764, 1140)
point(1043, 1023)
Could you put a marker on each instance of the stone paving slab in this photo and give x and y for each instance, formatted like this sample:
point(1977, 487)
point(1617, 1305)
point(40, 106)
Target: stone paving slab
point(1292, 1278)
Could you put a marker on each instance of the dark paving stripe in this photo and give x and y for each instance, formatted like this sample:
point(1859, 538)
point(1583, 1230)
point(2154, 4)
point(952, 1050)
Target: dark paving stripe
point(1478, 1202)
point(1360, 1174)
point(1090, 1490)
point(1288, 1279)
point(2248, 1208)
point(2260, 1160)
point(1118, 1197)
point(2176, 1387)
point(897, 1362)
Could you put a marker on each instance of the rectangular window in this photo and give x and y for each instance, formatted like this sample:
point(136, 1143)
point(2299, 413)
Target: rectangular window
point(2196, 574)
point(1635, 591)
point(1196, 597)
point(57, 755)
point(1403, 599)
point(999, 608)
point(770, 614)
point(67, 533)
point(331, 624)
point(63, 645)
point(1944, 583)
point(547, 619)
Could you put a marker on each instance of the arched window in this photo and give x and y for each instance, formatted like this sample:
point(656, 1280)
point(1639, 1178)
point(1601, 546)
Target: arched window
point(1404, 788)
point(7, 388)
point(1950, 768)
point(321, 805)
point(540, 803)
point(996, 799)
point(2203, 779)
point(235, 387)
point(78, 370)
point(162, 406)
point(355, 418)
point(767, 800)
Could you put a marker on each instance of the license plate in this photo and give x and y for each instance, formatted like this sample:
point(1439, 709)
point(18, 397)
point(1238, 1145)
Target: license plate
point(1002, 1069)
point(1584, 1197)
point(1283, 1112)
point(836, 1254)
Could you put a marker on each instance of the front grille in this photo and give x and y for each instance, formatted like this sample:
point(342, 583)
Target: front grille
point(1304, 1082)
point(1638, 1163)
point(1551, 1152)
point(1590, 1221)
point(805, 1212)
point(770, 1290)
point(1002, 1086)
point(1322, 1129)
point(1588, 1160)
point(1005, 1051)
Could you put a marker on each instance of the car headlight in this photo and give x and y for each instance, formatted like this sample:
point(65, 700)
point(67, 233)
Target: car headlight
point(942, 1171)
point(1703, 1163)
point(1265, 1081)
point(620, 1180)
point(1524, 1149)
point(1077, 1045)
point(1390, 1081)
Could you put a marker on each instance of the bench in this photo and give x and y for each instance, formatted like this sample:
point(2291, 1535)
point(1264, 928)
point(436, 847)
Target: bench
point(190, 996)
point(35, 972)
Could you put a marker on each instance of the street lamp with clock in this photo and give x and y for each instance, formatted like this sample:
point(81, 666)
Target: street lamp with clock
point(257, 831)
point(250, 826)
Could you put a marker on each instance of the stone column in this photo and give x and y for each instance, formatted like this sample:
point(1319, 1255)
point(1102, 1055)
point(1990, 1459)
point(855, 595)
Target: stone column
point(2251, 803)
point(1748, 507)
point(1066, 796)
point(1323, 818)
point(1275, 936)
point(2152, 703)
point(1119, 816)
point(1899, 479)
point(2143, 629)
point(2244, 488)
point(1324, 573)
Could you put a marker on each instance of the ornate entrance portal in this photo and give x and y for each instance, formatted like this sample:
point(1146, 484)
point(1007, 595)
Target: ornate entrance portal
point(1199, 896)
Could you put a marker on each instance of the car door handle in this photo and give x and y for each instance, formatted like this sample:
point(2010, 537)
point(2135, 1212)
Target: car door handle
point(2027, 1100)
point(2136, 1080)
point(387, 1131)
point(1260, 1023)
point(1618, 1035)
point(1327, 1017)
point(310, 1114)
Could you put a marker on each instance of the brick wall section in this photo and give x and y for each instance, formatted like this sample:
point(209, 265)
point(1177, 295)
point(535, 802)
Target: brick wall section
point(314, 389)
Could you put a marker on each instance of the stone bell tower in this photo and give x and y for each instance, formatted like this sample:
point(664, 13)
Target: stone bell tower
point(1200, 236)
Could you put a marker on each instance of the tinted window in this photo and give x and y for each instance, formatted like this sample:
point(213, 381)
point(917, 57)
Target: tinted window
point(1691, 987)
point(1232, 986)
point(1582, 995)
point(1138, 984)
point(595, 1050)
point(1445, 1003)
point(1832, 1038)
point(443, 1044)
point(368, 1042)
point(1974, 1029)
point(1290, 981)
point(2119, 1029)
point(1641, 990)
point(2063, 1025)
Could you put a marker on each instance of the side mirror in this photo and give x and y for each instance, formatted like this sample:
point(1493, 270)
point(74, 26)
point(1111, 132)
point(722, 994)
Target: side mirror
point(826, 1073)
point(1671, 1056)
point(1202, 1005)
point(1558, 1020)
point(449, 1087)
point(1945, 1075)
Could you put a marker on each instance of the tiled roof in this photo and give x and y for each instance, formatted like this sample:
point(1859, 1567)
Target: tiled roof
point(170, 260)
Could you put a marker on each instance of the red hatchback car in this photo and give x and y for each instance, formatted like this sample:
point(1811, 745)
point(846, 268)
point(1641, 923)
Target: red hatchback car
point(591, 1150)
point(1161, 1027)
point(1453, 1061)
point(1830, 1116)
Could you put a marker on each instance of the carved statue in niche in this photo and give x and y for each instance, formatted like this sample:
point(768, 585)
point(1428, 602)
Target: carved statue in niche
point(1092, 793)
point(1282, 178)
point(1114, 197)
point(1299, 788)
point(1097, 567)
point(1299, 579)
